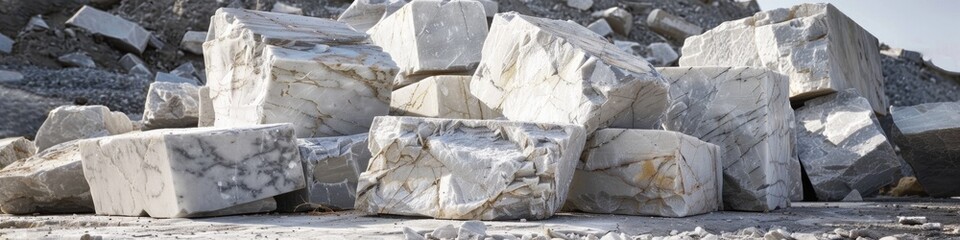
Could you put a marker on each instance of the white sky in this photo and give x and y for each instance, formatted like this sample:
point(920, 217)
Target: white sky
point(931, 27)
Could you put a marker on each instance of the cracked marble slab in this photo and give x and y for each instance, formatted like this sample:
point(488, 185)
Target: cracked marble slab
point(331, 166)
point(929, 139)
point(49, 182)
point(66, 123)
point(171, 105)
point(14, 149)
point(468, 169)
point(444, 96)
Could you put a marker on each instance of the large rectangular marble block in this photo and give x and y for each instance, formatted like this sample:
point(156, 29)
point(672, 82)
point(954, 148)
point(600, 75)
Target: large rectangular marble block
point(929, 139)
point(468, 169)
point(553, 71)
point(444, 96)
point(647, 172)
point(746, 112)
point(125, 34)
point(819, 48)
point(191, 172)
point(331, 166)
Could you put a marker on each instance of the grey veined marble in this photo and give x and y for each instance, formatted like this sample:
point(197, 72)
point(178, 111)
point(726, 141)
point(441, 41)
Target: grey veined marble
point(171, 105)
point(49, 182)
point(543, 70)
point(468, 169)
point(842, 147)
point(929, 139)
point(14, 149)
point(331, 166)
point(278, 68)
point(819, 48)
point(647, 172)
point(66, 123)
point(192, 172)
point(444, 96)
point(746, 112)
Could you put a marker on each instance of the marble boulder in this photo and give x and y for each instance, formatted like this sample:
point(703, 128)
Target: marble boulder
point(66, 123)
point(444, 96)
point(49, 182)
point(468, 169)
point(331, 166)
point(193, 172)
point(14, 149)
point(647, 172)
point(929, 139)
point(171, 105)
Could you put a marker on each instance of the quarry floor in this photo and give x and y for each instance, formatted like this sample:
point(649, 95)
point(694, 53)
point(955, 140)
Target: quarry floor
point(878, 215)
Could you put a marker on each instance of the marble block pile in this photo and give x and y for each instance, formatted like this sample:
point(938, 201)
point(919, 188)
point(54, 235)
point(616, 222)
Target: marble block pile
point(171, 105)
point(819, 48)
point(66, 123)
point(929, 139)
point(331, 167)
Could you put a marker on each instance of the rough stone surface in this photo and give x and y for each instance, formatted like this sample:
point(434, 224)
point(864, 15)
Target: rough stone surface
point(192, 42)
point(171, 105)
point(819, 48)
point(364, 14)
point(331, 166)
point(77, 59)
point(6, 44)
point(619, 19)
point(745, 111)
point(67, 123)
point(667, 24)
point(125, 34)
point(205, 115)
point(444, 96)
point(842, 147)
point(590, 80)
point(192, 172)
point(929, 139)
point(50, 182)
point(14, 149)
point(601, 27)
point(468, 169)
point(647, 172)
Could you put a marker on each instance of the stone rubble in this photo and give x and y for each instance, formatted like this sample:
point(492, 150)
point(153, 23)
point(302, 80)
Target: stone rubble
point(49, 182)
point(171, 105)
point(444, 96)
point(77, 59)
point(580, 4)
point(192, 42)
point(6, 44)
point(619, 19)
point(490, 7)
point(668, 25)
point(36, 23)
point(126, 35)
point(331, 166)
point(280, 7)
point(134, 65)
point(601, 27)
point(66, 123)
point(662, 54)
point(187, 70)
point(14, 149)
point(468, 169)
point(364, 14)
point(928, 136)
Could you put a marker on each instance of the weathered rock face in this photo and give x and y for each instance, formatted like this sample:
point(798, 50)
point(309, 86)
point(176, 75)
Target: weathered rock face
point(331, 166)
point(325, 82)
point(445, 96)
point(468, 169)
point(819, 48)
point(171, 105)
point(191, 172)
point(929, 139)
point(205, 116)
point(66, 123)
point(430, 37)
point(14, 149)
point(364, 14)
point(554, 71)
point(842, 147)
point(124, 34)
point(50, 182)
point(672, 26)
point(647, 172)
point(744, 111)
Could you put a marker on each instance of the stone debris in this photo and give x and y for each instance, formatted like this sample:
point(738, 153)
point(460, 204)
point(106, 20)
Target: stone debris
point(205, 115)
point(472, 230)
point(853, 196)
point(468, 169)
point(744, 111)
point(647, 172)
point(619, 19)
point(444, 96)
point(192, 41)
point(364, 14)
point(331, 166)
point(134, 64)
point(819, 48)
point(934, 226)
point(580, 4)
point(326, 82)
point(671, 26)
point(591, 81)
point(10, 76)
point(662, 54)
point(126, 35)
point(194, 171)
point(66, 123)
point(49, 182)
point(911, 220)
point(171, 105)
point(6, 44)
point(36, 23)
point(14, 149)
point(280, 7)
point(173, 78)
point(431, 37)
point(927, 135)
point(842, 147)
point(601, 27)
point(77, 59)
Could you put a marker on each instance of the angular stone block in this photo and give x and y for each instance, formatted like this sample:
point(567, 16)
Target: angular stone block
point(745, 111)
point(171, 105)
point(842, 147)
point(206, 114)
point(331, 166)
point(431, 37)
point(663, 54)
point(67, 123)
point(819, 48)
point(619, 19)
point(14, 149)
point(542, 70)
point(929, 139)
point(49, 182)
point(468, 169)
point(190, 172)
point(667, 24)
point(10, 76)
point(600, 27)
point(280, 7)
point(172, 78)
point(580, 4)
point(77, 59)
point(124, 34)
point(6, 44)
point(364, 14)
point(647, 172)
point(445, 96)
point(192, 42)
point(134, 65)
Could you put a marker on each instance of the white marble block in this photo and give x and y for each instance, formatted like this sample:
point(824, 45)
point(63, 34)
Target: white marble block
point(49, 182)
point(468, 169)
point(842, 147)
point(364, 14)
point(277, 68)
point(66, 123)
point(331, 166)
point(746, 112)
point(647, 172)
point(542, 70)
point(929, 139)
point(444, 96)
point(430, 37)
point(124, 34)
point(171, 105)
point(819, 48)
point(14, 149)
point(191, 172)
